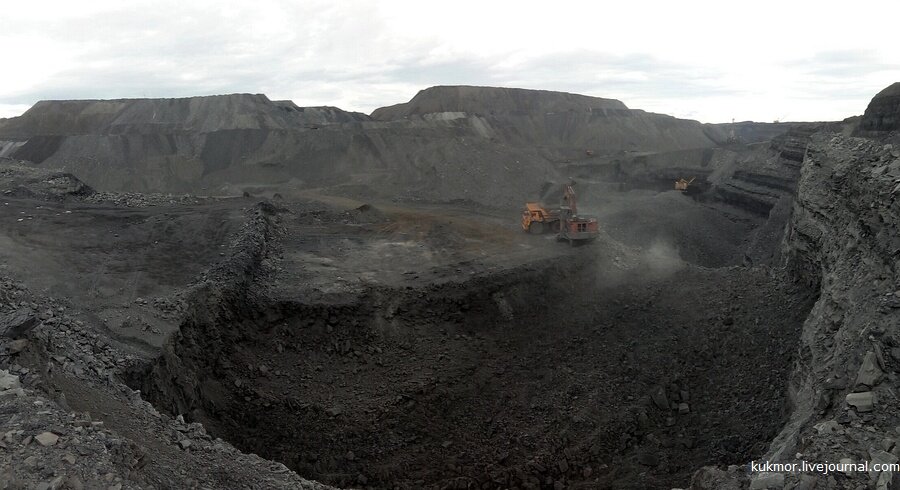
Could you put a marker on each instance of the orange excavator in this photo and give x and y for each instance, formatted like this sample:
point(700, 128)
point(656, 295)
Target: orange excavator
point(565, 221)
point(682, 184)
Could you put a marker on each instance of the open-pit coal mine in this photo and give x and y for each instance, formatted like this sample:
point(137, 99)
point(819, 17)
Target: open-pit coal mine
point(552, 372)
point(234, 292)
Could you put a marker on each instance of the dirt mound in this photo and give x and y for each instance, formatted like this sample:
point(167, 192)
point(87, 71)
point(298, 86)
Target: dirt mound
point(495, 100)
point(366, 213)
point(19, 179)
point(883, 112)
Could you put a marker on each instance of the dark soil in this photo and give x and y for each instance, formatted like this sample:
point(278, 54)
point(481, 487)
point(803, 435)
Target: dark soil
point(538, 376)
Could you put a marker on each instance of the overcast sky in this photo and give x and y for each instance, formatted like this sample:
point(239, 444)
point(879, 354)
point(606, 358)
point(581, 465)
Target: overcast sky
point(761, 60)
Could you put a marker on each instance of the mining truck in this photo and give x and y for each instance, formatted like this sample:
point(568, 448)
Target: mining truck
point(565, 221)
point(537, 219)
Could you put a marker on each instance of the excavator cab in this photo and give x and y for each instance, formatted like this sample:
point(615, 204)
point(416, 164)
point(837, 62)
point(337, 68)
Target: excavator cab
point(574, 227)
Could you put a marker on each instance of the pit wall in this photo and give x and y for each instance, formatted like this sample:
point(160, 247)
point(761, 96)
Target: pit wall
point(223, 294)
point(231, 309)
point(843, 239)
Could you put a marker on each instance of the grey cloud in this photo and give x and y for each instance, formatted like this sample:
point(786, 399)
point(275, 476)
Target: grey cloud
point(132, 54)
point(596, 71)
point(591, 72)
point(421, 71)
point(127, 74)
point(843, 64)
point(325, 50)
point(331, 53)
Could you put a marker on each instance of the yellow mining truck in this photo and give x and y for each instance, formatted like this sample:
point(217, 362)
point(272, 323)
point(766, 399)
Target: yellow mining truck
point(537, 219)
point(682, 184)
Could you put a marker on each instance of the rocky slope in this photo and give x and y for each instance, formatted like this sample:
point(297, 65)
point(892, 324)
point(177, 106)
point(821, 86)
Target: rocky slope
point(560, 125)
point(103, 435)
point(448, 142)
point(843, 239)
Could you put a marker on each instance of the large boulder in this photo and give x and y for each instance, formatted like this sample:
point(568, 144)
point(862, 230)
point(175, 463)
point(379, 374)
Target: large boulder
point(869, 373)
point(15, 323)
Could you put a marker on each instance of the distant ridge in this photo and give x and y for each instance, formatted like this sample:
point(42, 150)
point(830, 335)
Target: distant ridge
point(202, 114)
point(494, 100)
point(484, 144)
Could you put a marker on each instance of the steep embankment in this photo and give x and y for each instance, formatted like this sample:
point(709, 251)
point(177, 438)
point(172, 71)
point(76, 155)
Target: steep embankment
point(843, 239)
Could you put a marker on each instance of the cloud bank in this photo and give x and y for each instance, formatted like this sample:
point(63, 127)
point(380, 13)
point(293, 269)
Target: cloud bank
point(774, 60)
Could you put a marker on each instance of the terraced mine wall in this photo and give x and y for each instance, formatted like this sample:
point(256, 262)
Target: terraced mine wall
point(845, 239)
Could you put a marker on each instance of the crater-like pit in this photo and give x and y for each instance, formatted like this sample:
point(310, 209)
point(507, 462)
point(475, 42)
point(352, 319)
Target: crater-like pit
point(576, 370)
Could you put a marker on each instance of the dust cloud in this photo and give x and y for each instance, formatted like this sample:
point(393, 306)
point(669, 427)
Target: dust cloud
point(630, 266)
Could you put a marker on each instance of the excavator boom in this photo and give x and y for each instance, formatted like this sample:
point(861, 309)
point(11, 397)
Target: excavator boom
point(569, 199)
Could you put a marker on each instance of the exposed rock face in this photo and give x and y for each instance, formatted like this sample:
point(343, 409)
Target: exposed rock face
point(758, 181)
point(844, 238)
point(883, 113)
